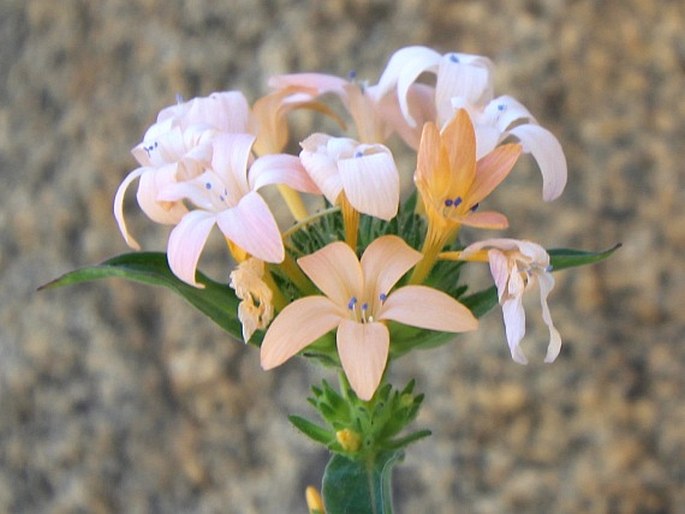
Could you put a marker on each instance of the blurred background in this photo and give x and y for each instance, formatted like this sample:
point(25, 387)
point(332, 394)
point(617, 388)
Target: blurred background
point(117, 397)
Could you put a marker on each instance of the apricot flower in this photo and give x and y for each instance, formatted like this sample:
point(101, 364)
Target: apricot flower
point(357, 303)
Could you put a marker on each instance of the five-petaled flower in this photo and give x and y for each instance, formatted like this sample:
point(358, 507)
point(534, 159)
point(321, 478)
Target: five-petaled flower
point(358, 301)
point(516, 267)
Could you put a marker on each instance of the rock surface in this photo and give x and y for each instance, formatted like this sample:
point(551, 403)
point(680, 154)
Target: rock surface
point(116, 397)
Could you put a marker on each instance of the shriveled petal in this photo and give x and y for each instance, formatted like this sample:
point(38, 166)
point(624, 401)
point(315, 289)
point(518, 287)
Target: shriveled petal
point(499, 269)
point(384, 262)
point(549, 155)
point(281, 169)
point(485, 219)
point(119, 207)
point(492, 169)
point(515, 327)
point(363, 350)
point(335, 270)
point(321, 167)
point(372, 182)
point(425, 307)
point(229, 160)
point(297, 326)
point(186, 242)
point(546, 283)
point(252, 226)
point(403, 68)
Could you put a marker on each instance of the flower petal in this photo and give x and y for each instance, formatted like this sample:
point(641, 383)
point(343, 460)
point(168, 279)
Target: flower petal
point(485, 219)
point(335, 270)
point(230, 158)
point(425, 307)
point(384, 262)
point(119, 206)
point(363, 350)
point(298, 325)
point(186, 242)
point(371, 181)
point(549, 155)
point(492, 169)
point(252, 226)
point(227, 111)
point(320, 82)
point(459, 138)
point(403, 68)
point(151, 184)
point(515, 326)
point(459, 76)
point(546, 283)
point(322, 167)
point(281, 169)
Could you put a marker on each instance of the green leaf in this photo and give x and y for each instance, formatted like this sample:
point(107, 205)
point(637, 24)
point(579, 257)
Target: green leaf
point(359, 486)
point(562, 258)
point(215, 300)
point(312, 430)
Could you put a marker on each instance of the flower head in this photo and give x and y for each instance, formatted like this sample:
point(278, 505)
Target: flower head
point(516, 267)
point(357, 302)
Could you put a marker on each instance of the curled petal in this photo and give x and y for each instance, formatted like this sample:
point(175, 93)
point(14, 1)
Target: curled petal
point(461, 76)
point(336, 271)
point(504, 111)
point(371, 182)
point(298, 325)
point(252, 226)
point(227, 111)
point(492, 169)
point(186, 242)
point(321, 166)
point(425, 307)
point(281, 169)
point(119, 207)
point(549, 155)
point(320, 83)
point(363, 350)
point(403, 69)
point(546, 283)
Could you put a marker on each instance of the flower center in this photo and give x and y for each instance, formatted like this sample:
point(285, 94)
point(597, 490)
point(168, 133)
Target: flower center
point(362, 312)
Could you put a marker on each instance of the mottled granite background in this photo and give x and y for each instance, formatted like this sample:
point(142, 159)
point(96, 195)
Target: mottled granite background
point(116, 397)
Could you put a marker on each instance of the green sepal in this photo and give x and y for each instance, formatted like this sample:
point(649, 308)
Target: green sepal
point(217, 301)
point(312, 430)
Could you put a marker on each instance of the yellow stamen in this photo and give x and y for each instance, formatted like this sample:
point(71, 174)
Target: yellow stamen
point(314, 501)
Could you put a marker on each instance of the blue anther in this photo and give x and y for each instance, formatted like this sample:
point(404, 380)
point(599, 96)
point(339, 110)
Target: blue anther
point(501, 107)
point(208, 185)
point(457, 201)
point(448, 202)
point(179, 98)
point(365, 306)
point(383, 297)
point(454, 58)
point(474, 207)
point(358, 154)
point(352, 303)
point(352, 74)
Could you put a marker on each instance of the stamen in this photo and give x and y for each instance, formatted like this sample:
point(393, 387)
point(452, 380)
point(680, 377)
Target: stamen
point(474, 207)
point(351, 304)
point(208, 185)
point(501, 107)
point(352, 74)
point(448, 202)
point(179, 98)
point(454, 58)
point(358, 154)
point(383, 297)
point(457, 201)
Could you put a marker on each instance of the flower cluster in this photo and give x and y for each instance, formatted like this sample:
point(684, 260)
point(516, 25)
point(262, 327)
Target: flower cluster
point(205, 161)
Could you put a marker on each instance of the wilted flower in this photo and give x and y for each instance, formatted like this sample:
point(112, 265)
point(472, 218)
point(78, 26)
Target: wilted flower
point(518, 266)
point(255, 310)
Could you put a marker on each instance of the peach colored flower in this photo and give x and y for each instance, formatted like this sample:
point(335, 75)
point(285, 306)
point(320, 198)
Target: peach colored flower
point(357, 302)
point(516, 267)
